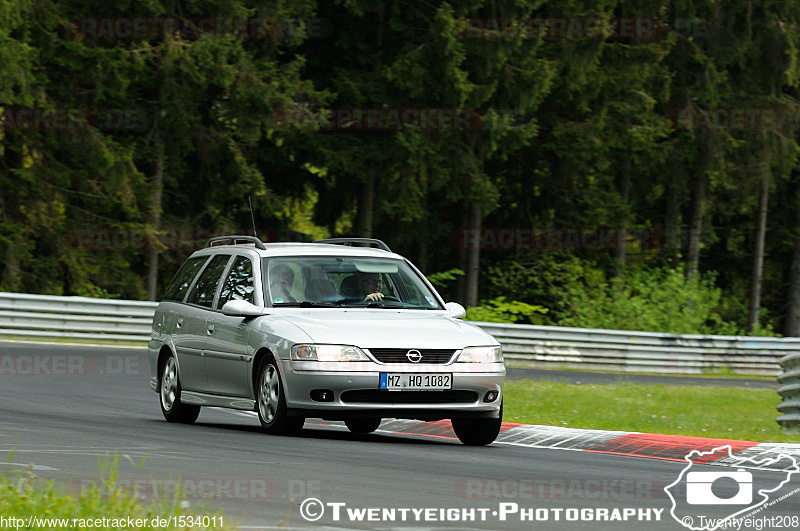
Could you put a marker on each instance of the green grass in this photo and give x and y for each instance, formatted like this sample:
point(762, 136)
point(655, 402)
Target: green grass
point(24, 494)
point(716, 412)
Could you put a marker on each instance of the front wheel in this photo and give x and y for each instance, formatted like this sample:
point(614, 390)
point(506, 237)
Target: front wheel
point(365, 425)
point(271, 401)
point(170, 392)
point(478, 432)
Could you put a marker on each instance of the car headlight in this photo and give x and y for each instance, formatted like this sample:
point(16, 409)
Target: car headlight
point(328, 353)
point(481, 355)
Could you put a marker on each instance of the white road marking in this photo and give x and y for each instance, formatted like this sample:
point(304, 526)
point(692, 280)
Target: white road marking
point(546, 437)
point(33, 466)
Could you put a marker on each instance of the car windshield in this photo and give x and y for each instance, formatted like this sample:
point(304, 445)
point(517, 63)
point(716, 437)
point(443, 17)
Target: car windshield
point(330, 281)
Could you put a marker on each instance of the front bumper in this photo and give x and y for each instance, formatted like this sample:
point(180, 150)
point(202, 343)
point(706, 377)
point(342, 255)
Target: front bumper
point(355, 393)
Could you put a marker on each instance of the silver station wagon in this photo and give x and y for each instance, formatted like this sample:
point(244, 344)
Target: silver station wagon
point(339, 329)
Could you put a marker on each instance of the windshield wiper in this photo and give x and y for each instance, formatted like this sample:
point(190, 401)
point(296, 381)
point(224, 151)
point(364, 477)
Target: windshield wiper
point(395, 305)
point(305, 304)
point(376, 304)
point(381, 305)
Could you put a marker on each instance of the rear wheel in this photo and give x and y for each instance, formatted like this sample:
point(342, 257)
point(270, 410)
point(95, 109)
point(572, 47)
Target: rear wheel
point(271, 401)
point(170, 393)
point(478, 432)
point(365, 425)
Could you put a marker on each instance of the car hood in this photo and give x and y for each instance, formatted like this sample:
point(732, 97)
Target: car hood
point(368, 328)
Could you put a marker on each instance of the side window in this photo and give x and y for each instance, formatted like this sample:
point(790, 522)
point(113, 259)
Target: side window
point(183, 278)
point(206, 287)
point(240, 284)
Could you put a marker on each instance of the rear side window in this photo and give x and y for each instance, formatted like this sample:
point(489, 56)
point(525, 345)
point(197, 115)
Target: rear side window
point(183, 278)
point(240, 284)
point(206, 287)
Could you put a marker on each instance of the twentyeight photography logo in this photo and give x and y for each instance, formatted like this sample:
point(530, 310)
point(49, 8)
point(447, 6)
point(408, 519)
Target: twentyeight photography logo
point(696, 492)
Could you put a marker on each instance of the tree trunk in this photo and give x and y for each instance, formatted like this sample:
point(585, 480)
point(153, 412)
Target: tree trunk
point(10, 201)
point(792, 325)
point(473, 255)
point(422, 257)
point(366, 195)
point(758, 256)
point(672, 239)
point(698, 210)
point(11, 278)
point(366, 207)
point(624, 190)
point(461, 283)
point(155, 219)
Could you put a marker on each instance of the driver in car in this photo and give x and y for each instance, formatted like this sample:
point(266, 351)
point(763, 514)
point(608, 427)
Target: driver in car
point(369, 286)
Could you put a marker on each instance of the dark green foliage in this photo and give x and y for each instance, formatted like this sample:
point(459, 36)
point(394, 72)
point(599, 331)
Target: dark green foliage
point(658, 300)
point(500, 310)
point(566, 133)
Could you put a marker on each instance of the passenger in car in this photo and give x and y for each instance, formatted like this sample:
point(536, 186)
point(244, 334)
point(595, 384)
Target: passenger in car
point(280, 284)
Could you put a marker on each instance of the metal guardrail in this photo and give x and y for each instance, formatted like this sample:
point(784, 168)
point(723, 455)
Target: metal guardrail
point(629, 351)
point(51, 317)
point(46, 316)
point(790, 392)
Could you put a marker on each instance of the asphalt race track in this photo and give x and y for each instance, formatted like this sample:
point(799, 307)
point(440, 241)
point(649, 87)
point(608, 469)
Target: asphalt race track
point(64, 409)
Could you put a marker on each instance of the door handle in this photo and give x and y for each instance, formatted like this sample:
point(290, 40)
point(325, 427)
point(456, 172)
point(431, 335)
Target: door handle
point(179, 323)
point(210, 328)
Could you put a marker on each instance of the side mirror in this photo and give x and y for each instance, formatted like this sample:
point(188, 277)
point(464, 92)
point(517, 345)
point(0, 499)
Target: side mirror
point(455, 310)
point(241, 309)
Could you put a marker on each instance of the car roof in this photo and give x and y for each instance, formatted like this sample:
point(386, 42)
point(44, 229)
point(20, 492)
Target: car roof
point(302, 249)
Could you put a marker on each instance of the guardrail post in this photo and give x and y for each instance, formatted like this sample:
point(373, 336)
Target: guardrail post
point(790, 391)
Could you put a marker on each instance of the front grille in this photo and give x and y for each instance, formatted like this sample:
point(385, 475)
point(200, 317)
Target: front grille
point(377, 396)
point(398, 355)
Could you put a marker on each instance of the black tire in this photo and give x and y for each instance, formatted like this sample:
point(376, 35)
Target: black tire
point(271, 401)
point(169, 392)
point(478, 432)
point(362, 425)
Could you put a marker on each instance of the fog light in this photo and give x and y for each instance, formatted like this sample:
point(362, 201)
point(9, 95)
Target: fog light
point(322, 395)
point(491, 396)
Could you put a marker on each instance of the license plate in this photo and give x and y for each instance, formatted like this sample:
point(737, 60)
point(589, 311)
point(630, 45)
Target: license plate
point(415, 381)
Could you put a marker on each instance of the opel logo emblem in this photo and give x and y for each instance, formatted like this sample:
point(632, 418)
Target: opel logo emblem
point(414, 356)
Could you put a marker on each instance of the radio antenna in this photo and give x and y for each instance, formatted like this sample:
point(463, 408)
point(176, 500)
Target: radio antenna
point(252, 217)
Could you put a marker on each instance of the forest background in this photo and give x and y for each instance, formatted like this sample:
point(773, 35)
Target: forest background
point(613, 164)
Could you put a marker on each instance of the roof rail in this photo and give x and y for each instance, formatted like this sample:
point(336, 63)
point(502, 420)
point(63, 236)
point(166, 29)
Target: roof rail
point(233, 240)
point(356, 242)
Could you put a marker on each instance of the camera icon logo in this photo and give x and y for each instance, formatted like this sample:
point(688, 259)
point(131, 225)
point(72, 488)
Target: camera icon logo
point(700, 491)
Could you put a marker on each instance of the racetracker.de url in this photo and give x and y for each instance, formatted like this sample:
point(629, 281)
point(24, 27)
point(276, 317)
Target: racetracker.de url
point(122, 522)
point(312, 509)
